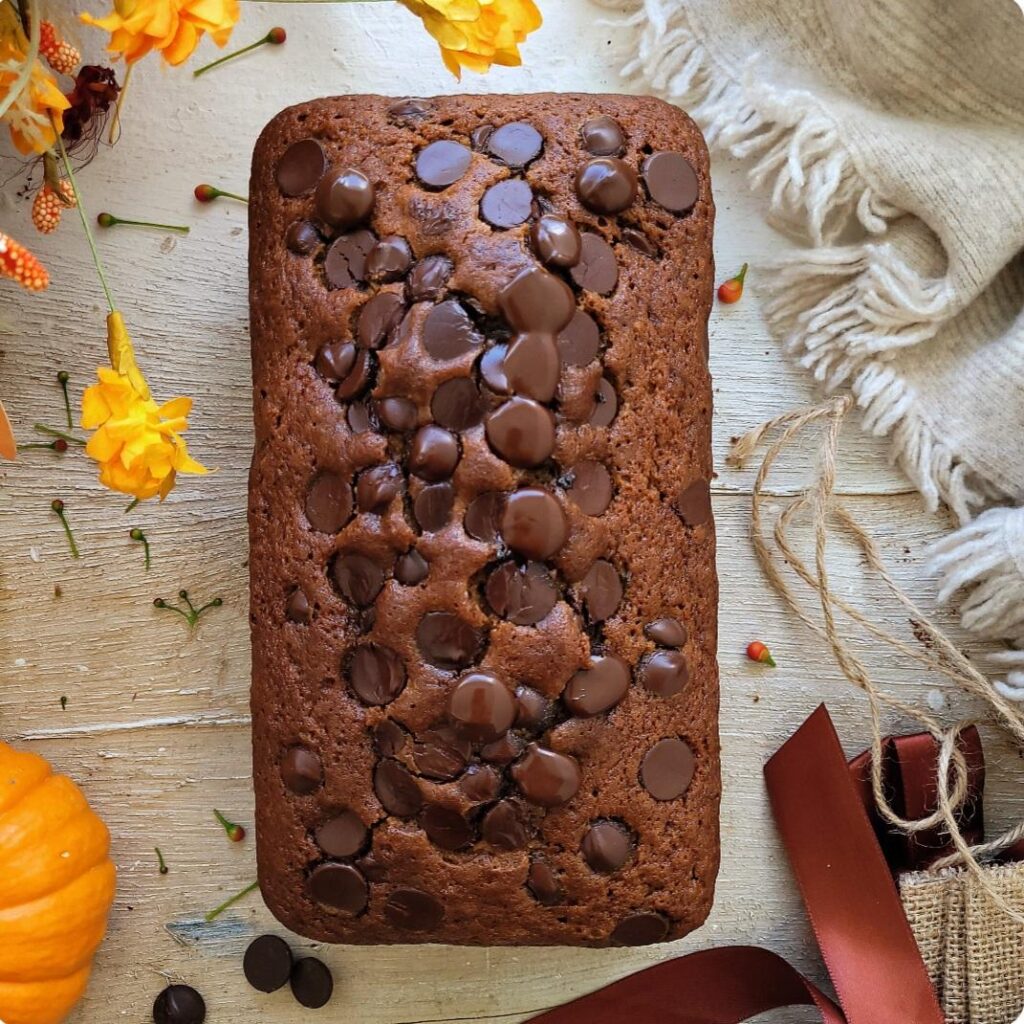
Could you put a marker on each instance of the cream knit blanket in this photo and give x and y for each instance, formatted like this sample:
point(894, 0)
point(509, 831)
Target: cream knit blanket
point(890, 135)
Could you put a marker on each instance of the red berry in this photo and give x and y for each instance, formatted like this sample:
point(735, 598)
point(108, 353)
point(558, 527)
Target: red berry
point(732, 290)
point(205, 193)
point(277, 36)
point(60, 445)
point(756, 651)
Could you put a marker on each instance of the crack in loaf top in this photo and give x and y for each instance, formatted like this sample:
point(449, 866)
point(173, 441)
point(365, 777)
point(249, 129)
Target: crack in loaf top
point(483, 589)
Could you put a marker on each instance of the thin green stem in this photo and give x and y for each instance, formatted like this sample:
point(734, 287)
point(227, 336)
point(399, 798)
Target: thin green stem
point(51, 432)
point(59, 512)
point(160, 861)
point(182, 229)
point(228, 56)
point(132, 505)
point(62, 379)
point(115, 121)
point(36, 444)
point(217, 911)
point(232, 195)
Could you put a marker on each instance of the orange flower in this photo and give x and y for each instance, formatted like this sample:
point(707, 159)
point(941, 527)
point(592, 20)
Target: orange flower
point(40, 105)
point(172, 27)
point(477, 33)
point(18, 264)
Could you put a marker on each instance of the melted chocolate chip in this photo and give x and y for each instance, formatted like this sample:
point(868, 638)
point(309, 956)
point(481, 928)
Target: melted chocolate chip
point(358, 579)
point(411, 568)
point(448, 641)
point(398, 792)
point(457, 404)
point(344, 835)
point(345, 262)
point(522, 594)
point(532, 366)
point(480, 783)
point(603, 136)
point(267, 963)
point(389, 260)
point(594, 690)
point(515, 144)
point(397, 413)
point(301, 771)
point(344, 198)
point(441, 754)
point(410, 109)
point(389, 737)
point(522, 432)
point(297, 608)
point(667, 769)
point(607, 846)
point(507, 203)
point(301, 167)
point(302, 238)
point(580, 341)
point(360, 418)
point(446, 828)
point(311, 982)
point(606, 404)
point(483, 517)
point(329, 503)
point(545, 777)
point(492, 369)
point(442, 163)
point(434, 453)
point(597, 270)
point(334, 361)
point(665, 673)
point(639, 241)
point(667, 632)
point(535, 300)
point(426, 282)
point(606, 185)
point(640, 930)
point(556, 241)
point(504, 826)
point(448, 332)
point(602, 591)
point(671, 181)
point(376, 674)
point(179, 1004)
point(479, 135)
point(432, 507)
point(503, 750)
point(533, 524)
point(693, 503)
point(378, 487)
point(543, 883)
point(481, 706)
point(379, 318)
point(413, 910)
point(339, 886)
point(591, 489)
point(533, 709)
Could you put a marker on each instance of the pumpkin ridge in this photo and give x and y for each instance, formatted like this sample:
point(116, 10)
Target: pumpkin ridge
point(28, 788)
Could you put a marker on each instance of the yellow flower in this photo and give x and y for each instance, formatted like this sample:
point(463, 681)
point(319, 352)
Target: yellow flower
point(40, 104)
point(173, 27)
point(477, 33)
point(137, 443)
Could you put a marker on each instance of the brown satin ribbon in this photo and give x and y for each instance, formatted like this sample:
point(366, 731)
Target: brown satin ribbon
point(853, 905)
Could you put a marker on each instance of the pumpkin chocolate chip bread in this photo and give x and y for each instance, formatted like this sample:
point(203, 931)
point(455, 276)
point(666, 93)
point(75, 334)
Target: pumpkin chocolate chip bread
point(483, 561)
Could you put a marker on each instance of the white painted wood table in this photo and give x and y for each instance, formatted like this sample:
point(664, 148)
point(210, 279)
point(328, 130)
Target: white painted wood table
point(156, 726)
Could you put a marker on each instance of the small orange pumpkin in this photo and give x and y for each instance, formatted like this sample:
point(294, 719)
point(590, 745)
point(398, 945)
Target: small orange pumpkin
point(56, 887)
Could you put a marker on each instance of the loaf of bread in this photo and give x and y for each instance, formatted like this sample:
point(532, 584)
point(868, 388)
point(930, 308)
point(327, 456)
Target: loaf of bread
point(485, 694)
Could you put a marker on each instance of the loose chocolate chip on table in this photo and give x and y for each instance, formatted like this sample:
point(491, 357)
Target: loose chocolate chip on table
point(379, 318)
point(301, 770)
point(358, 578)
point(410, 109)
point(428, 278)
point(267, 963)
point(536, 300)
point(603, 136)
point(667, 769)
point(594, 690)
point(442, 163)
point(297, 607)
point(532, 365)
point(533, 523)
point(446, 640)
point(413, 910)
point(345, 262)
point(481, 706)
point(533, 708)
point(411, 568)
point(389, 260)
point(556, 241)
point(606, 846)
point(546, 777)
point(376, 674)
point(667, 631)
point(507, 203)
point(503, 750)
point(359, 417)
point(504, 826)
point(339, 886)
point(448, 332)
point(446, 828)
point(301, 167)
point(398, 792)
point(597, 270)
point(522, 432)
point(602, 590)
point(580, 341)
point(457, 404)
point(329, 503)
point(480, 783)
point(434, 453)
point(389, 737)
point(334, 361)
point(515, 144)
point(591, 489)
point(179, 1004)
point(693, 503)
point(312, 984)
point(606, 404)
point(344, 835)
point(378, 487)
point(640, 930)
point(522, 594)
point(665, 673)
point(606, 184)
point(671, 181)
point(301, 237)
point(344, 198)
point(432, 507)
point(397, 413)
point(441, 753)
point(639, 241)
point(542, 883)
point(479, 135)
point(483, 517)
point(492, 369)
